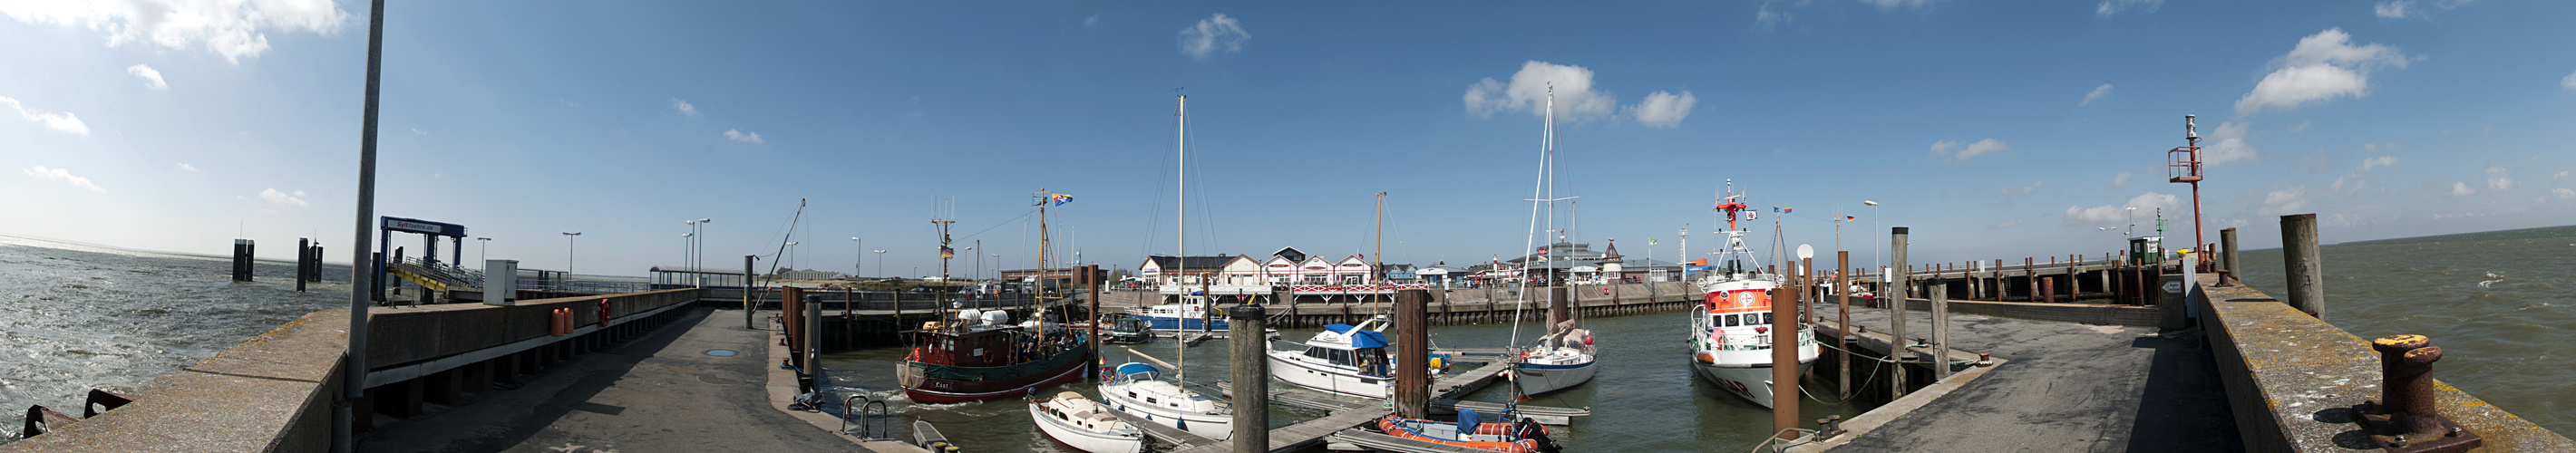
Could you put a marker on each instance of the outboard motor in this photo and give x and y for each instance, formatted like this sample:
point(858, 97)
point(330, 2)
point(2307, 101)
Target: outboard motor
point(1529, 429)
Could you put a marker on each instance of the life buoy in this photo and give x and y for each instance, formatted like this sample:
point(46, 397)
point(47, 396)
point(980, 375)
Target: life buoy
point(603, 312)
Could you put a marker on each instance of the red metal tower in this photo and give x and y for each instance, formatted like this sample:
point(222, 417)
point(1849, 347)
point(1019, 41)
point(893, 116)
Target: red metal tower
point(2182, 164)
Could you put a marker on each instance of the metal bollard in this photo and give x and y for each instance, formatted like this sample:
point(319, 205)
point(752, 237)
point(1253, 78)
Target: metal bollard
point(2405, 419)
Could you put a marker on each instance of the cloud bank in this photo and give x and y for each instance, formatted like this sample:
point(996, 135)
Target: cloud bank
point(1217, 33)
point(2322, 67)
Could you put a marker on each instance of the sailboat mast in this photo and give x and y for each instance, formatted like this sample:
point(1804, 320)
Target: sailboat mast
point(1549, 140)
point(1180, 235)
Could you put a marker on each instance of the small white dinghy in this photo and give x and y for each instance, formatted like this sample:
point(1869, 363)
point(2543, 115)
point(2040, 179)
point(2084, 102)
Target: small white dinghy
point(1077, 422)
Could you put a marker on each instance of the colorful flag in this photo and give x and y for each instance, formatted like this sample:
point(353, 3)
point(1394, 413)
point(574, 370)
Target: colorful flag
point(1851, 219)
point(1650, 241)
point(1061, 199)
point(1542, 251)
point(946, 253)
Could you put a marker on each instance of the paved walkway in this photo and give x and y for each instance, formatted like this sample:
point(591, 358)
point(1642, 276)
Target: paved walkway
point(2067, 387)
point(659, 392)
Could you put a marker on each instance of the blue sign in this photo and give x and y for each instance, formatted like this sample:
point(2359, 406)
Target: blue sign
point(423, 227)
point(1687, 270)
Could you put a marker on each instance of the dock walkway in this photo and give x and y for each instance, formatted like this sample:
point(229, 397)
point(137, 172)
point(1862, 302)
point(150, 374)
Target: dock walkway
point(659, 392)
point(2064, 387)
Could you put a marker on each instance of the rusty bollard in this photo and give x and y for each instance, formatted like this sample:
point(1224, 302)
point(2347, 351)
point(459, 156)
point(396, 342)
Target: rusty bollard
point(2404, 420)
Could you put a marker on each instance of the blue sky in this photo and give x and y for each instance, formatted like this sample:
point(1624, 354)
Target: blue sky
point(1992, 129)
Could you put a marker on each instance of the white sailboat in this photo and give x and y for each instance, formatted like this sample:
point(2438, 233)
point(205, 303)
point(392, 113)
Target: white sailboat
point(1137, 388)
point(1564, 357)
point(1077, 422)
point(1731, 333)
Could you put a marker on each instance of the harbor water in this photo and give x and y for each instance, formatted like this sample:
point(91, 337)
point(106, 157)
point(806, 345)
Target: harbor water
point(1643, 399)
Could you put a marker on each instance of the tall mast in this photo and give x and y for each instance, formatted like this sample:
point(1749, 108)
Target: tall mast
point(1180, 235)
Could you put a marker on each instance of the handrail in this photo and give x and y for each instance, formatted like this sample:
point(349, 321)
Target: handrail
point(882, 415)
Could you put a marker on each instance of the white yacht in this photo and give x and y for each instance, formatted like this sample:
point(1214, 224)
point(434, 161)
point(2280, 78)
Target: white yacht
point(1560, 360)
point(1344, 360)
point(1077, 422)
point(1138, 389)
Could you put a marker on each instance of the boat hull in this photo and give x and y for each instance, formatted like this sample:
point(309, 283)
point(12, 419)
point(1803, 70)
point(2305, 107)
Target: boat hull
point(1539, 379)
point(1180, 323)
point(1085, 440)
point(1752, 382)
point(930, 390)
point(1329, 379)
point(1212, 426)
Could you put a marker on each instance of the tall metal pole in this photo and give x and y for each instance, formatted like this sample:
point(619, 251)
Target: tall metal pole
point(361, 272)
point(568, 256)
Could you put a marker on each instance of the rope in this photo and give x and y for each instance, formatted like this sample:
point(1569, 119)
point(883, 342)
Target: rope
point(1775, 437)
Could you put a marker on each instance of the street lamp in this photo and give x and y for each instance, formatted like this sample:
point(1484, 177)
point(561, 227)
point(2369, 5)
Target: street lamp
point(880, 260)
point(701, 251)
point(979, 261)
point(1882, 240)
point(791, 256)
point(685, 241)
point(487, 248)
point(568, 240)
point(863, 259)
point(2133, 222)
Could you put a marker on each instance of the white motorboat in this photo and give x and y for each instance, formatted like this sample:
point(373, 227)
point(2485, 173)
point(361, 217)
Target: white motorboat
point(1344, 360)
point(1138, 389)
point(1731, 332)
point(1077, 422)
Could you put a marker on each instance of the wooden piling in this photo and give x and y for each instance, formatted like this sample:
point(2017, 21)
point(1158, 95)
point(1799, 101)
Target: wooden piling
point(1251, 374)
point(1896, 311)
point(2305, 269)
point(1413, 352)
point(1842, 301)
point(1784, 362)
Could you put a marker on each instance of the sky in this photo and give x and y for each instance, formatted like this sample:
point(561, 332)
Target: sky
point(1993, 130)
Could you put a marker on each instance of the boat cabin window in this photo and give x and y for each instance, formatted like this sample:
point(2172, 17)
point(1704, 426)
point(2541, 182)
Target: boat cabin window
point(1341, 357)
point(1319, 353)
point(1150, 399)
point(1730, 320)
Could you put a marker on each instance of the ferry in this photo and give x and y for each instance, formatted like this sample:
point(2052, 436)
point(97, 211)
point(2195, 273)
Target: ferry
point(981, 356)
point(1731, 332)
point(1191, 314)
point(1345, 360)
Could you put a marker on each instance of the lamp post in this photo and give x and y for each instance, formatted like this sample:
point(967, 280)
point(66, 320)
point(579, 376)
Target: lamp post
point(997, 263)
point(689, 246)
point(686, 239)
point(880, 260)
point(1882, 241)
point(979, 260)
point(791, 256)
point(568, 240)
point(699, 252)
point(862, 255)
point(2133, 222)
point(487, 248)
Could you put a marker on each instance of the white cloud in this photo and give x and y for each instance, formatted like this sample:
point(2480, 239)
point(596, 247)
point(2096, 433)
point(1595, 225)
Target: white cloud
point(1971, 150)
point(745, 137)
point(1663, 109)
point(2323, 66)
point(2496, 179)
point(2007, 224)
point(1092, 21)
point(2109, 7)
point(190, 168)
point(2230, 146)
point(2121, 181)
point(2563, 192)
point(1528, 91)
point(64, 122)
point(2461, 189)
point(2034, 187)
point(1213, 34)
point(2568, 83)
point(2393, 10)
point(2555, 177)
point(151, 77)
point(2115, 213)
point(274, 196)
point(2285, 201)
point(1898, 3)
point(417, 132)
point(1768, 17)
point(2301, 127)
point(2098, 93)
point(2377, 162)
point(57, 174)
point(232, 28)
point(684, 107)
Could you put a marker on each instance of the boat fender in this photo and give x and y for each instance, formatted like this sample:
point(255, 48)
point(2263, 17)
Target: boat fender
point(1587, 338)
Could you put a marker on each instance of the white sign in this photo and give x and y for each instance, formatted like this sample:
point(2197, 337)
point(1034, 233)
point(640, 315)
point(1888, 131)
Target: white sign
point(2173, 287)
